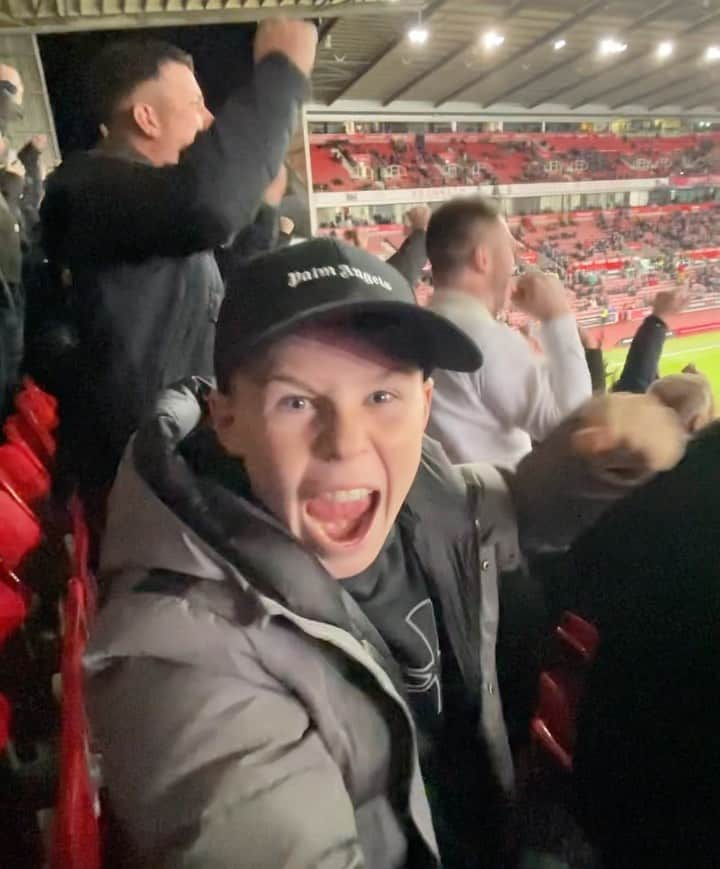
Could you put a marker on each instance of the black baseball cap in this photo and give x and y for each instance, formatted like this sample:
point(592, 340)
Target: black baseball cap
point(272, 294)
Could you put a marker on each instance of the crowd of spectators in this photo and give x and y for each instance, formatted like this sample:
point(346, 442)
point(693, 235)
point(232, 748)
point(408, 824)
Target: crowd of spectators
point(355, 161)
point(320, 632)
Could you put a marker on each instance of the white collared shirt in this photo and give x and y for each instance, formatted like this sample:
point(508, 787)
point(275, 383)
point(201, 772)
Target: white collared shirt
point(516, 397)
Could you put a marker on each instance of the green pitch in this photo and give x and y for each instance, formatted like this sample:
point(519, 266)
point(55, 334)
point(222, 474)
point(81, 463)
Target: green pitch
point(702, 349)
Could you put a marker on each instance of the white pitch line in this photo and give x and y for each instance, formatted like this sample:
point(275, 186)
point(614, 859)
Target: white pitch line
point(689, 351)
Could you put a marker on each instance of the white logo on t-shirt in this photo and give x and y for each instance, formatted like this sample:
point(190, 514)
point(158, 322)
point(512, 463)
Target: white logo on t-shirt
point(421, 680)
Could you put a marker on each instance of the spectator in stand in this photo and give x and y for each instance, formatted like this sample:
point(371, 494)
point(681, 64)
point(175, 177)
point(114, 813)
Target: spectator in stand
point(304, 651)
point(647, 755)
point(641, 365)
point(517, 397)
point(134, 224)
point(12, 305)
point(410, 258)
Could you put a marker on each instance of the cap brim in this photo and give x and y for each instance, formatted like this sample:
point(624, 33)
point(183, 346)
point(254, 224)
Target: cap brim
point(444, 344)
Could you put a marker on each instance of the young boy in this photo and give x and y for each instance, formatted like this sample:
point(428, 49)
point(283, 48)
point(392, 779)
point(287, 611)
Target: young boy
point(295, 665)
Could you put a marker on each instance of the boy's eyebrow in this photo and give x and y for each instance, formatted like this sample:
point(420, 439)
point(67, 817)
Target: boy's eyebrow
point(291, 380)
point(267, 379)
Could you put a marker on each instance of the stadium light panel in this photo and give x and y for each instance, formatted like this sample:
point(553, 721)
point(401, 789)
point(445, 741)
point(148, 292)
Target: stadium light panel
point(609, 46)
point(664, 50)
point(419, 34)
point(559, 44)
point(493, 39)
point(712, 52)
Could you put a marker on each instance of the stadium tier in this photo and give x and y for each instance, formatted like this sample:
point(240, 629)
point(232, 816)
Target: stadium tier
point(393, 161)
point(613, 261)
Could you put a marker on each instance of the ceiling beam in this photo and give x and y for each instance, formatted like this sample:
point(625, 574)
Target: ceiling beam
point(678, 100)
point(644, 20)
point(688, 56)
point(326, 29)
point(451, 56)
point(630, 57)
point(655, 90)
point(556, 67)
point(429, 11)
point(548, 35)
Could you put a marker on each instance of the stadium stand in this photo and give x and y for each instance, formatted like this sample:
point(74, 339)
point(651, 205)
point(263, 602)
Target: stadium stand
point(385, 161)
point(614, 261)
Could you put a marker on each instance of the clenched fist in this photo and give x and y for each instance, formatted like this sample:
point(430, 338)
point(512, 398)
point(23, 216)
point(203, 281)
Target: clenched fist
point(670, 302)
point(629, 436)
point(297, 40)
point(541, 295)
point(418, 217)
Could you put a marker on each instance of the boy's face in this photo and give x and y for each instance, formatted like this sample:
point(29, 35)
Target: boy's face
point(330, 430)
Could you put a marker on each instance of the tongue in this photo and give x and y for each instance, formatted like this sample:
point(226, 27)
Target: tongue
point(327, 510)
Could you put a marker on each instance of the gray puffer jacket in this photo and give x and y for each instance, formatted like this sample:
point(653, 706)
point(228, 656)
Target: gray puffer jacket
point(247, 712)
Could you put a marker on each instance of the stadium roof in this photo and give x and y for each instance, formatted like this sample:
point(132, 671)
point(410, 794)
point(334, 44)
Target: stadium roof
point(550, 61)
point(543, 57)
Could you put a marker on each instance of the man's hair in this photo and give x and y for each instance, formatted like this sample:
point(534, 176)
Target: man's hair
point(121, 66)
point(452, 233)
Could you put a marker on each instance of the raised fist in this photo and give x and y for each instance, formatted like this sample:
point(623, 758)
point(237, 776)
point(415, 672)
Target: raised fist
point(541, 295)
point(418, 217)
point(297, 40)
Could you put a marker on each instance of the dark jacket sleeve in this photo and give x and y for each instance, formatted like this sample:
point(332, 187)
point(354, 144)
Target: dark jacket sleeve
point(641, 365)
point(257, 237)
point(104, 209)
point(29, 156)
point(596, 366)
point(410, 257)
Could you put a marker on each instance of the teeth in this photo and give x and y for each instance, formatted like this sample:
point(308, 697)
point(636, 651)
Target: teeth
point(344, 495)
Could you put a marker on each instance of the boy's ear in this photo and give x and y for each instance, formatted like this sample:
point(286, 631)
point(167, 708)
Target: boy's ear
point(428, 388)
point(223, 418)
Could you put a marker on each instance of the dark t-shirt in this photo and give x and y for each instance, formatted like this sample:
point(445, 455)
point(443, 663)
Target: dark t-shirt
point(393, 594)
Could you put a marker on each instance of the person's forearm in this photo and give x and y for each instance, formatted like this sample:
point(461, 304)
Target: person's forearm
point(567, 368)
point(641, 365)
point(596, 367)
point(411, 257)
point(610, 446)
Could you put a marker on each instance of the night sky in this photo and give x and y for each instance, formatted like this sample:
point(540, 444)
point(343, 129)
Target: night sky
point(222, 54)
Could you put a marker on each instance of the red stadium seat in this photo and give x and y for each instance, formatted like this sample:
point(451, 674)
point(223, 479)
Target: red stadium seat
point(552, 725)
point(561, 689)
point(27, 430)
point(35, 401)
point(578, 635)
point(24, 472)
point(76, 834)
point(5, 722)
point(20, 531)
point(14, 603)
point(81, 555)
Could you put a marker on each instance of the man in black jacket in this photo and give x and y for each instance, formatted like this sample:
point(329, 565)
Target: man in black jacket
point(641, 365)
point(647, 763)
point(132, 226)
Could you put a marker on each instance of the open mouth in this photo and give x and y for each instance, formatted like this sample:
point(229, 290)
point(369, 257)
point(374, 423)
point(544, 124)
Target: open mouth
point(342, 517)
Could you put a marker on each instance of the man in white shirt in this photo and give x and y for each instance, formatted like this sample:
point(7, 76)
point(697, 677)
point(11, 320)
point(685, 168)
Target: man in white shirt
point(517, 396)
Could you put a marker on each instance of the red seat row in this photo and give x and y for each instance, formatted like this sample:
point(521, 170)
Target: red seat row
point(26, 461)
point(561, 689)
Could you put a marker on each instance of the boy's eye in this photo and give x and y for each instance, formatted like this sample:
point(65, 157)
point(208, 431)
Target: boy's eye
point(382, 396)
point(294, 402)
